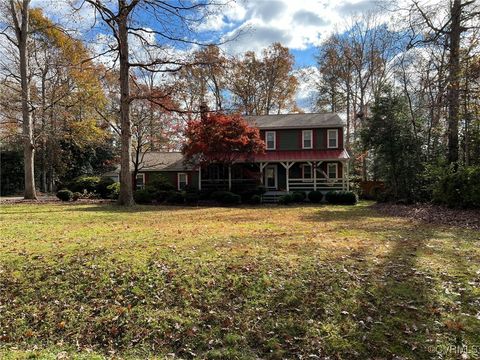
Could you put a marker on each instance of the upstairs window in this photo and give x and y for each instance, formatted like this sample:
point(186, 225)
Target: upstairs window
point(270, 140)
point(332, 170)
point(332, 138)
point(307, 139)
point(140, 181)
point(182, 181)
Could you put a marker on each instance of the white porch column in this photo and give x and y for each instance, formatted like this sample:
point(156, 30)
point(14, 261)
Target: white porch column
point(200, 178)
point(262, 166)
point(229, 177)
point(314, 169)
point(287, 165)
point(287, 173)
point(343, 174)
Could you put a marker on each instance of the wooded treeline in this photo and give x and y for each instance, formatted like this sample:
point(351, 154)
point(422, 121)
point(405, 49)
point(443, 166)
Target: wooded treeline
point(409, 91)
point(71, 112)
point(410, 94)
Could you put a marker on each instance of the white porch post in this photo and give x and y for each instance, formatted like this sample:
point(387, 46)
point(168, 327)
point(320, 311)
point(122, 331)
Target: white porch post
point(343, 174)
point(262, 166)
point(314, 168)
point(200, 178)
point(287, 171)
point(229, 177)
point(287, 165)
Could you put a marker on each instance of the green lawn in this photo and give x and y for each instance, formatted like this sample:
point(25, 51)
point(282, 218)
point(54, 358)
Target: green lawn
point(96, 281)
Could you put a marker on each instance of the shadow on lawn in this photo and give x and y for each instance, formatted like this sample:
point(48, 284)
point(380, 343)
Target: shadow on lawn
point(395, 306)
point(400, 309)
point(345, 213)
point(360, 308)
point(135, 209)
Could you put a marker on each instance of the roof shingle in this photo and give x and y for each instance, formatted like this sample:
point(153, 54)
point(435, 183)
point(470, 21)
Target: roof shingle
point(295, 121)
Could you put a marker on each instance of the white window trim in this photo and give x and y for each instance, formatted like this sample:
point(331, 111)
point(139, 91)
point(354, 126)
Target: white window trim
point(336, 170)
point(303, 172)
point(143, 180)
point(274, 140)
point(336, 138)
point(178, 179)
point(303, 139)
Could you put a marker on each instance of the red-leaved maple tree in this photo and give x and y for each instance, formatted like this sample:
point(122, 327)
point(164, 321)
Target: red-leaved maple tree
point(221, 139)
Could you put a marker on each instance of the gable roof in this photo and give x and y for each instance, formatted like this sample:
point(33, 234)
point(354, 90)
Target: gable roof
point(159, 161)
point(163, 161)
point(295, 121)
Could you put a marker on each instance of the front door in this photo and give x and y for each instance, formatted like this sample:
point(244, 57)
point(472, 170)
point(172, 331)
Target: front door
point(271, 177)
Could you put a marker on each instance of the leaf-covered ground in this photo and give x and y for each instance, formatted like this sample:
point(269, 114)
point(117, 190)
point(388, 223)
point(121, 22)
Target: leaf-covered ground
point(435, 214)
point(97, 281)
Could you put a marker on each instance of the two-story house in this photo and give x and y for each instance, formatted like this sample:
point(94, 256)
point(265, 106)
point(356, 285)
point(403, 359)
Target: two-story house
point(303, 152)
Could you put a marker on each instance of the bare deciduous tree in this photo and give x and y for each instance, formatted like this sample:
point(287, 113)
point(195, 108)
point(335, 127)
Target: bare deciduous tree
point(156, 24)
point(18, 11)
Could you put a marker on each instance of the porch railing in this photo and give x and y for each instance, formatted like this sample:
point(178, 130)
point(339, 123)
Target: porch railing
point(209, 184)
point(294, 184)
point(322, 184)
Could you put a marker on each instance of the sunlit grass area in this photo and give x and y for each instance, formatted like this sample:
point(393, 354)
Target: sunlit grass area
point(90, 281)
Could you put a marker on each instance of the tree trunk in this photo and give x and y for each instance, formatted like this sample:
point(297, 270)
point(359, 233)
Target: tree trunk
point(467, 115)
point(347, 140)
point(21, 31)
point(454, 83)
point(126, 191)
point(43, 163)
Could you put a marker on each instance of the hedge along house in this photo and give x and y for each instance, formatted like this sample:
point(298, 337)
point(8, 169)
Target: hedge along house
point(303, 152)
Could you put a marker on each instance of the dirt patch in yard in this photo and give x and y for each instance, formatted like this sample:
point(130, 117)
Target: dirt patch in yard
point(468, 219)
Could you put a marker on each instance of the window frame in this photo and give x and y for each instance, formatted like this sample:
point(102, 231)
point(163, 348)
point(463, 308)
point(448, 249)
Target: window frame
point(336, 170)
point(336, 138)
point(311, 139)
point(178, 180)
point(274, 140)
point(303, 172)
point(137, 187)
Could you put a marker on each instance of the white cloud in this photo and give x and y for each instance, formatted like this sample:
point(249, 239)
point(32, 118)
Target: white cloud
point(308, 78)
point(296, 24)
point(223, 18)
point(75, 16)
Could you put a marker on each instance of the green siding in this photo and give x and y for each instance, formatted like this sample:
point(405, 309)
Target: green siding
point(171, 176)
point(320, 139)
point(193, 179)
point(289, 139)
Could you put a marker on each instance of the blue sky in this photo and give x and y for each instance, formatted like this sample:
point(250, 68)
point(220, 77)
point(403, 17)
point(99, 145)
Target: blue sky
point(301, 25)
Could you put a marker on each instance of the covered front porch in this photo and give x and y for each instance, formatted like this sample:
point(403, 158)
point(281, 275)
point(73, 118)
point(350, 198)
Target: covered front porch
point(280, 176)
point(305, 176)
